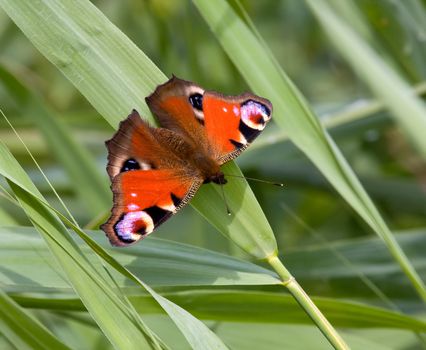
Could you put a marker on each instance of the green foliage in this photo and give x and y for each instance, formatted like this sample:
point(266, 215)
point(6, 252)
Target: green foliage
point(64, 287)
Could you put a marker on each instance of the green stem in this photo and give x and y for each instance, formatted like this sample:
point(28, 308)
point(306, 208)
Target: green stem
point(307, 304)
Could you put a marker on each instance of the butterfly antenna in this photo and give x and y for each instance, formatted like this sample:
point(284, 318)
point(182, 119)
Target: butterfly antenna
point(279, 184)
point(224, 199)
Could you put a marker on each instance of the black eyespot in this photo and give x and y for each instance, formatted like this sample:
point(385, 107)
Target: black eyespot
point(196, 100)
point(130, 164)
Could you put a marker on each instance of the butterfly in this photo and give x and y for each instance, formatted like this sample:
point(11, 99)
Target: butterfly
point(155, 171)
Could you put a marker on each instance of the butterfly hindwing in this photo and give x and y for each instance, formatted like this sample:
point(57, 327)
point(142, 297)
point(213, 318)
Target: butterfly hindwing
point(150, 181)
point(143, 200)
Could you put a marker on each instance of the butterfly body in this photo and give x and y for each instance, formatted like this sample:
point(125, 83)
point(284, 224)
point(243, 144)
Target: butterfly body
point(156, 171)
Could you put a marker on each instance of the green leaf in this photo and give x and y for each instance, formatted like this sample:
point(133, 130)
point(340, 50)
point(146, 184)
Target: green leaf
point(110, 313)
point(24, 255)
point(253, 306)
point(22, 329)
point(404, 26)
point(367, 257)
point(197, 334)
point(79, 164)
point(246, 306)
point(243, 336)
point(294, 115)
point(393, 91)
point(353, 112)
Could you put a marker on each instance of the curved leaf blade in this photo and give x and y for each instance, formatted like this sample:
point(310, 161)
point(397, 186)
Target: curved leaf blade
point(23, 255)
point(22, 329)
point(110, 313)
point(293, 114)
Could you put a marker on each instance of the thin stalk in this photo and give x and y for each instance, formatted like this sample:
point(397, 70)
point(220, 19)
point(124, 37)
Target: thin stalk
point(405, 265)
point(307, 304)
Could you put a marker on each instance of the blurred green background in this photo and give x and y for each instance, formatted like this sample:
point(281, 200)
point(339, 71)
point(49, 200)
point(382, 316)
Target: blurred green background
point(308, 217)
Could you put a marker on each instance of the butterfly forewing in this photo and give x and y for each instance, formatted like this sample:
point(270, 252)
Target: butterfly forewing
point(233, 122)
point(222, 126)
point(171, 104)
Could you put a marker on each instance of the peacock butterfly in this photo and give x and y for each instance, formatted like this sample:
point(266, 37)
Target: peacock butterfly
point(156, 171)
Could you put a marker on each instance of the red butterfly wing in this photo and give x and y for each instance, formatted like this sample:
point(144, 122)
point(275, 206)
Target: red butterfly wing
point(150, 182)
point(233, 122)
point(170, 103)
point(222, 126)
point(143, 200)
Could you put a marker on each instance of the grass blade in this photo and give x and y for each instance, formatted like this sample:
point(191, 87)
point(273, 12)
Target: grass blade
point(79, 164)
point(161, 263)
point(110, 313)
point(364, 255)
point(258, 306)
point(22, 329)
point(115, 311)
point(393, 91)
point(293, 114)
point(251, 306)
